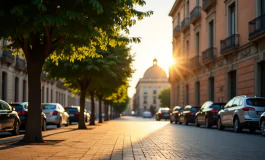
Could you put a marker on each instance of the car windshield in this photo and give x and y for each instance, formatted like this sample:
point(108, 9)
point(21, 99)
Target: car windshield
point(48, 106)
point(257, 102)
point(71, 110)
point(18, 107)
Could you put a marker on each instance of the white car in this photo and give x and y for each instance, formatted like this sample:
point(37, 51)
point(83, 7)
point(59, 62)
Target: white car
point(147, 114)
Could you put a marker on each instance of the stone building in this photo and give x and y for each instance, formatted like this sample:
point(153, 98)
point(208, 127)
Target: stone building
point(218, 46)
point(148, 89)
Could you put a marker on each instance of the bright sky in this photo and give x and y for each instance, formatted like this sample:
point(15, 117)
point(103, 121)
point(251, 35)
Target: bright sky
point(156, 40)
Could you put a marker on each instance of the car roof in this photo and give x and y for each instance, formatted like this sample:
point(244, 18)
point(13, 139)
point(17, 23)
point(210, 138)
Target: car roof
point(19, 103)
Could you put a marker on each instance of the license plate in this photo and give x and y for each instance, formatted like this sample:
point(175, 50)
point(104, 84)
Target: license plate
point(71, 114)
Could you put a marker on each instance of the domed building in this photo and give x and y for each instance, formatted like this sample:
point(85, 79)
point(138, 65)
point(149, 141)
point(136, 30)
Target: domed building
point(148, 88)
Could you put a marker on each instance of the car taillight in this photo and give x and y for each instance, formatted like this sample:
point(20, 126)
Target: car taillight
point(22, 112)
point(54, 113)
point(77, 113)
point(214, 111)
point(160, 112)
point(248, 109)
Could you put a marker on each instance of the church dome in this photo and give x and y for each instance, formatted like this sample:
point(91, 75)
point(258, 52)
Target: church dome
point(155, 72)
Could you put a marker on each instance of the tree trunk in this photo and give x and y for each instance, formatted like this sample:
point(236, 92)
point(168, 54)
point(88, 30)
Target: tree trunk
point(81, 120)
point(106, 110)
point(33, 133)
point(100, 109)
point(92, 116)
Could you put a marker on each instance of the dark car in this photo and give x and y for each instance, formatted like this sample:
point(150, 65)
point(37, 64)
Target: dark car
point(22, 110)
point(9, 119)
point(74, 112)
point(163, 113)
point(262, 124)
point(188, 114)
point(208, 114)
point(174, 116)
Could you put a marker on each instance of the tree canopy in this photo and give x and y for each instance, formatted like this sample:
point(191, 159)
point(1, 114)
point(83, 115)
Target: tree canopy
point(164, 97)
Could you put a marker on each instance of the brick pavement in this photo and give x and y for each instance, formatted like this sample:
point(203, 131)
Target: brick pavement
point(135, 138)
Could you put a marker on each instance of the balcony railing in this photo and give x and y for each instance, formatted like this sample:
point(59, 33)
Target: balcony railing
point(195, 63)
point(20, 64)
point(195, 14)
point(230, 43)
point(7, 56)
point(257, 27)
point(176, 31)
point(208, 4)
point(208, 55)
point(185, 24)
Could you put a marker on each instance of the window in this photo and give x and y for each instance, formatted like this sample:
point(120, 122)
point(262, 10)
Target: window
point(24, 90)
point(197, 93)
point(145, 90)
point(197, 2)
point(145, 108)
point(232, 19)
point(187, 48)
point(47, 95)
point(178, 23)
point(145, 99)
point(232, 84)
point(16, 89)
point(229, 104)
point(5, 106)
point(262, 79)
point(57, 99)
point(236, 102)
point(262, 6)
point(154, 90)
point(51, 95)
point(197, 43)
point(257, 102)
point(187, 94)
point(188, 8)
point(4, 86)
point(42, 94)
point(211, 88)
point(154, 100)
point(211, 34)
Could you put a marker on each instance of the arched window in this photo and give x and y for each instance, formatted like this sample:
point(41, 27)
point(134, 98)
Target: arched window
point(16, 89)
point(4, 86)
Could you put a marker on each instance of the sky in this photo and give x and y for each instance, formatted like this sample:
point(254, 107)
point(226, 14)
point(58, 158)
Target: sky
point(156, 40)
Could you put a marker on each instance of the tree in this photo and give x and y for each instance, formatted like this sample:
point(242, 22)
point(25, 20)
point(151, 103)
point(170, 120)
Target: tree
point(164, 97)
point(42, 28)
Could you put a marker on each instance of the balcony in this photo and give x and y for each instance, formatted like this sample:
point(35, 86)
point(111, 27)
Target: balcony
point(195, 15)
point(230, 44)
point(257, 28)
point(176, 31)
point(195, 63)
point(20, 64)
point(208, 55)
point(6, 56)
point(208, 4)
point(185, 24)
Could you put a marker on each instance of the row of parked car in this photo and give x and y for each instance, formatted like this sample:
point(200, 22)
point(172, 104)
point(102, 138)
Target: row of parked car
point(239, 113)
point(13, 116)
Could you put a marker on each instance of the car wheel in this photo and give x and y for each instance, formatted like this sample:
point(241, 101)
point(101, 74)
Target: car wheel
point(252, 130)
point(44, 125)
point(207, 125)
point(197, 123)
point(237, 126)
point(262, 127)
point(60, 123)
point(68, 122)
point(16, 128)
point(185, 121)
point(219, 124)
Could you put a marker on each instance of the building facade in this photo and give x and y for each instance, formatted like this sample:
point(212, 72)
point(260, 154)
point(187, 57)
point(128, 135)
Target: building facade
point(148, 89)
point(219, 49)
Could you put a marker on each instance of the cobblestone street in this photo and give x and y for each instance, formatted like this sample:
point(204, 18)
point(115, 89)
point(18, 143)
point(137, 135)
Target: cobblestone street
point(136, 138)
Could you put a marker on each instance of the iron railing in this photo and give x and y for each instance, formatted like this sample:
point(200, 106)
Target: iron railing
point(256, 26)
point(206, 4)
point(195, 62)
point(208, 54)
point(7, 56)
point(229, 43)
point(195, 13)
point(20, 64)
point(185, 23)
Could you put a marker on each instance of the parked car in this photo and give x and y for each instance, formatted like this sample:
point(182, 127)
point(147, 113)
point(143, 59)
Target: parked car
point(163, 113)
point(147, 114)
point(74, 112)
point(56, 114)
point(262, 124)
point(22, 110)
point(174, 116)
point(188, 114)
point(9, 119)
point(208, 114)
point(241, 112)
